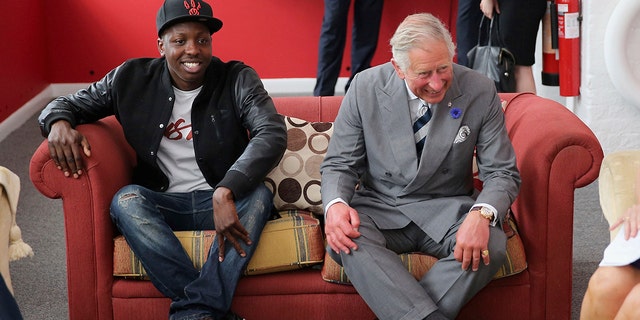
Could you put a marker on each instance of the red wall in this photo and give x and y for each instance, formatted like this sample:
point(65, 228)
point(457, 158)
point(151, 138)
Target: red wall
point(22, 54)
point(71, 41)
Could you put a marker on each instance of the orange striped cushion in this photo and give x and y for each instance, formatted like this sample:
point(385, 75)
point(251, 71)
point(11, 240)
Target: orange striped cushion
point(418, 264)
point(292, 241)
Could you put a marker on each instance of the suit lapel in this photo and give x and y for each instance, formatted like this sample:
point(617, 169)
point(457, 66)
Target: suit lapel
point(393, 102)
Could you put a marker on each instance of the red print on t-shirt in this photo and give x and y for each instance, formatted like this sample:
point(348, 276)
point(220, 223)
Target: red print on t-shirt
point(175, 130)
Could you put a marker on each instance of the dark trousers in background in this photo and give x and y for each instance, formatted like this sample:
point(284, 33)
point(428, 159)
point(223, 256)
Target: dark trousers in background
point(8, 307)
point(366, 27)
point(468, 20)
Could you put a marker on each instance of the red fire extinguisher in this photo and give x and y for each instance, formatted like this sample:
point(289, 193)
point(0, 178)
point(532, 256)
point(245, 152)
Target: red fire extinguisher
point(550, 55)
point(569, 46)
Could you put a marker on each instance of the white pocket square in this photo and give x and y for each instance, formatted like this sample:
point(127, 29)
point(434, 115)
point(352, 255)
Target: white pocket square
point(462, 135)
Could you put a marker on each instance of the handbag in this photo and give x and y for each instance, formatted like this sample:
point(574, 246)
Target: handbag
point(494, 61)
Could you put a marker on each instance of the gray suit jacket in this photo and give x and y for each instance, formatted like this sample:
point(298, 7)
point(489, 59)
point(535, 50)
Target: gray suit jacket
point(372, 164)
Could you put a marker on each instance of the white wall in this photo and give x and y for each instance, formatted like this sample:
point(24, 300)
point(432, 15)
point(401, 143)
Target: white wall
point(614, 119)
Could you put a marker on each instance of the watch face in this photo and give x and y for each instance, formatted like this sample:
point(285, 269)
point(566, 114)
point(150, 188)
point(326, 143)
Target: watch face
point(486, 212)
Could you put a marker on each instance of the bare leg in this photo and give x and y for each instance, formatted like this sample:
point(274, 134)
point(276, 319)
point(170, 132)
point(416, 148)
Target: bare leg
point(607, 290)
point(631, 306)
point(524, 79)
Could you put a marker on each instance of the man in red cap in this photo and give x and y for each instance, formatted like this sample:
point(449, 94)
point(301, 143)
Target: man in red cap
point(186, 115)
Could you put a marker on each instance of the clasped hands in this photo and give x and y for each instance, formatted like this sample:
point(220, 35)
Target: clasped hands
point(472, 238)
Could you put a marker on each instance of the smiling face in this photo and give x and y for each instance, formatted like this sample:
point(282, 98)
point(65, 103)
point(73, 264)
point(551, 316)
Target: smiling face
point(429, 71)
point(187, 48)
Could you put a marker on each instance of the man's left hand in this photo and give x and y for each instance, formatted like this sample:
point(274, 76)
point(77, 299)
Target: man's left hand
point(472, 239)
point(227, 223)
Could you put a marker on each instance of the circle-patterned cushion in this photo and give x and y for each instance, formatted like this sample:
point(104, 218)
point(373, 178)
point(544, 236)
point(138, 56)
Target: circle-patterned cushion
point(295, 181)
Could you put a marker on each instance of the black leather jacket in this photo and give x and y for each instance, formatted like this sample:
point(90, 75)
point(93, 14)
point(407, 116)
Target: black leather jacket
point(232, 103)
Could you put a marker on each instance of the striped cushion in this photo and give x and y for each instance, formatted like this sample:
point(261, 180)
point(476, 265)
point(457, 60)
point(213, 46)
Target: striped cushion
point(418, 264)
point(292, 241)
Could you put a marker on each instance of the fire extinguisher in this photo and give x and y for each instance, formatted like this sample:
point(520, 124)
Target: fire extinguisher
point(550, 55)
point(569, 46)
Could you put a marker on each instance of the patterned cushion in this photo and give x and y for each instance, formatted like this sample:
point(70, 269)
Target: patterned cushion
point(418, 264)
point(295, 182)
point(292, 241)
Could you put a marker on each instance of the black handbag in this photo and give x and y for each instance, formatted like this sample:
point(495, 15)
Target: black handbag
point(494, 61)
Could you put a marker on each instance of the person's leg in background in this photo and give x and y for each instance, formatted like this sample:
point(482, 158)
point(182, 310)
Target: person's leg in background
point(366, 28)
point(468, 21)
point(8, 306)
point(331, 47)
point(525, 82)
point(519, 26)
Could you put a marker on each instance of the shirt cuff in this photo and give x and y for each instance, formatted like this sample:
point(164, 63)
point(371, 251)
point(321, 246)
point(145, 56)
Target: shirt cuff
point(332, 202)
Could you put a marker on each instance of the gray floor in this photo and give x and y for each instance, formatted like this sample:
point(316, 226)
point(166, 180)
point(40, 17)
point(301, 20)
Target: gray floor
point(40, 282)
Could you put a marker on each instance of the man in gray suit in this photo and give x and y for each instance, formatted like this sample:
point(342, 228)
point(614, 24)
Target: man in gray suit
point(398, 177)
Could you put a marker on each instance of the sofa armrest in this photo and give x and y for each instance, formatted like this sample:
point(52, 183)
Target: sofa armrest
point(88, 227)
point(556, 153)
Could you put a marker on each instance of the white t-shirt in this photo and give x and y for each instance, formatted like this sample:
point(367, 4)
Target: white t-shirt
point(176, 156)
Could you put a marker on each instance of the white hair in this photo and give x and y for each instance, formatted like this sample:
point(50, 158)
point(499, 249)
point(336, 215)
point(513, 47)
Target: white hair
point(413, 31)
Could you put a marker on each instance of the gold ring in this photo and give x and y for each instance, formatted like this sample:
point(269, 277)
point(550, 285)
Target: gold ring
point(485, 252)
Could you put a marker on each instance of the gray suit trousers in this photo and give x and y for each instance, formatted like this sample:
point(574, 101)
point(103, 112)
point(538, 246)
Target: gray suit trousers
point(379, 276)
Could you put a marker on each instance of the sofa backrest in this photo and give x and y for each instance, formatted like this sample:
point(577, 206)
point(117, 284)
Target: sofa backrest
point(326, 108)
point(309, 108)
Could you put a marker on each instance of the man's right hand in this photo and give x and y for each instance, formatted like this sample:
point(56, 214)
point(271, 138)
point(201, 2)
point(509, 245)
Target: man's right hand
point(66, 146)
point(341, 226)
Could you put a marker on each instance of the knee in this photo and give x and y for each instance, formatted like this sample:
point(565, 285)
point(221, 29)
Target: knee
point(607, 282)
point(123, 199)
point(264, 194)
point(126, 193)
point(260, 200)
point(256, 207)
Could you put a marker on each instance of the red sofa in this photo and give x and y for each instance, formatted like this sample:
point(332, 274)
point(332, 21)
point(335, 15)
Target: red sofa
point(556, 154)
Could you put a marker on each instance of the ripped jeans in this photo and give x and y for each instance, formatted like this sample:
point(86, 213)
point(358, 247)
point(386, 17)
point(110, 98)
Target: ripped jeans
point(147, 220)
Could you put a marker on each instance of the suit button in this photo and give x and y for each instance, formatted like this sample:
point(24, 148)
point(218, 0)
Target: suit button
point(388, 174)
point(445, 171)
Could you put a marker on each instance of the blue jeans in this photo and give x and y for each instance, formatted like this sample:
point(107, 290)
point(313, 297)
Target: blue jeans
point(147, 220)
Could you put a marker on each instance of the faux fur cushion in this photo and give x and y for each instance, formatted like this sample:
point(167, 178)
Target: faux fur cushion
point(293, 241)
point(295, 182)
point(418, 264)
